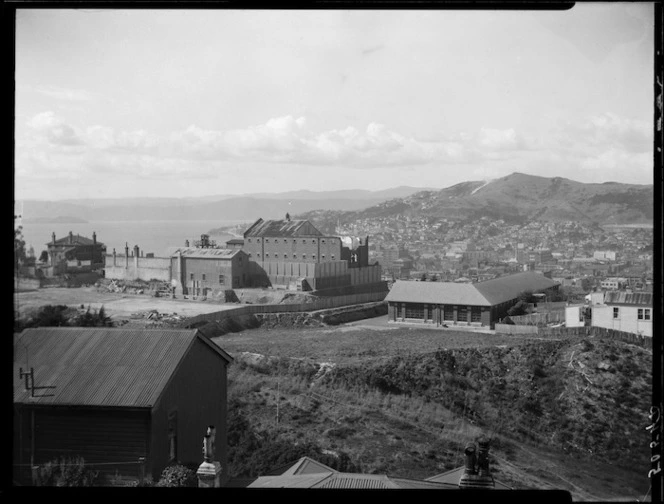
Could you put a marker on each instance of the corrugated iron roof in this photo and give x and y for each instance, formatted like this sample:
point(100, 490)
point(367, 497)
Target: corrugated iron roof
point(487, 293)
point(452, 478)
point(501, 289)
point(282, 228)
point(101, 366)
point(436, 292)
point(628, 298)
point(76, 240)
point(205, 253)
point(304, 465)
point(337, 480)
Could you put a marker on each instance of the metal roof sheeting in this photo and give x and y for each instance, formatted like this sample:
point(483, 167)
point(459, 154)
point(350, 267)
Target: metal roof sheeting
point(205, 253)
point(76, 240)
point(100, 366)
point(436, 292)
point(452, 478)
point(487, 293)
point(282, 228)
point(505, 288)
point(628, 298)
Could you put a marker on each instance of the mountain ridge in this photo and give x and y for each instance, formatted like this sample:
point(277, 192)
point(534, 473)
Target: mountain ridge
point(519, 198)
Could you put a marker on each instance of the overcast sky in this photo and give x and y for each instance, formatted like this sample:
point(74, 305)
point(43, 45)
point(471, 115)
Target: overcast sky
point(114, 103)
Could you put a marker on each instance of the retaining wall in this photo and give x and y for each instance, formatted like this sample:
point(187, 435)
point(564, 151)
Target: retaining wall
point(319, 304)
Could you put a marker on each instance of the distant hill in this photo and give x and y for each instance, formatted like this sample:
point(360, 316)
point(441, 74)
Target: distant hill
point(519, 198)
point(222, 207)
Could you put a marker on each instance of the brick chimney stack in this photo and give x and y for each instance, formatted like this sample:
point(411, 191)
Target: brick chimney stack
point(477, 473)
point(53, 237)
point(71, 238)
point(94, 246)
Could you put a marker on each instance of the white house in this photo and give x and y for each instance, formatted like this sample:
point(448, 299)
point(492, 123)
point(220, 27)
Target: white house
point(574, 315)
point(625, 311)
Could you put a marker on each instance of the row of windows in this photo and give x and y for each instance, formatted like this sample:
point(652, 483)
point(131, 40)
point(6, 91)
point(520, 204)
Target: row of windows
point(267, 240)
point(642, 313)
point(304, 256)
point(417, 311)
point(203, 277)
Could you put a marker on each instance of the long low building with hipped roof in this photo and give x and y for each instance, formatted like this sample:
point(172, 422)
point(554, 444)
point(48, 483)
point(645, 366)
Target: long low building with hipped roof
point(461, 305)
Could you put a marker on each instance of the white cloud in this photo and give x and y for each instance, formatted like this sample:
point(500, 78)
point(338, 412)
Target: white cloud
point(54, 129)
point(597, 147)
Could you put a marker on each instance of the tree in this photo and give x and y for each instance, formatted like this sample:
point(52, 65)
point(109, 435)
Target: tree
point(43, 257)
point(586, 284)
point(19, 247)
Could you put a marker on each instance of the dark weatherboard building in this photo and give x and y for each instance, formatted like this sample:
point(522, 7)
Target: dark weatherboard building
point(114, 397)
point(462, 304)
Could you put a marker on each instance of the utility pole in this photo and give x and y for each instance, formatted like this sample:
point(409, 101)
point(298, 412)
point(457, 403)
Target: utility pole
point(278, 399)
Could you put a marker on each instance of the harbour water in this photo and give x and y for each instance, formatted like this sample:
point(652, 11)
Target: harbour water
point(150, 236)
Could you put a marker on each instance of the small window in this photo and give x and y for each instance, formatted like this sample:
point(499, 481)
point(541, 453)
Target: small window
point(322, 241)
point(285, 256)
point(640, 314)
point(294, 256)
point(616, 312)
point(249, 240)
point(267, 240)
point(313, 241)
point(647, 313)
point(221, 279)
point(333, 257)
point(267, 255)
point(191, 276)
point(322, 257)
point(304, 241)
point(204, 277)
point(304, 257)
point(172, 436)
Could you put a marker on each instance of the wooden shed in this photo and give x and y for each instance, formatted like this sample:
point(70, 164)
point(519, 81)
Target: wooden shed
point(130, 402)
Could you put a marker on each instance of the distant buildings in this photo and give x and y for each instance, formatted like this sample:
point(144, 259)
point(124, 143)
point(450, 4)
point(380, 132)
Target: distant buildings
point(74, 253)
point(289, 254)
point(605, 255)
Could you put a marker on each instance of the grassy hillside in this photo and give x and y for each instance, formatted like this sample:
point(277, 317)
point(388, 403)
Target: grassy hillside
point(564, 414)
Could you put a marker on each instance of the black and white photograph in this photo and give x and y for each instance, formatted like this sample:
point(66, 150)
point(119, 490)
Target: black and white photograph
point(338, 248)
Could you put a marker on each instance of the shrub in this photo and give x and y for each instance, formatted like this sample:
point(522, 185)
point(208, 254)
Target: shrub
point(66, 472)
point(177, 475)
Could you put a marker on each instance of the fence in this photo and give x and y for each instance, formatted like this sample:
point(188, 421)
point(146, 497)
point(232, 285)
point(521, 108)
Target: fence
point(319, 304)
point(566, 332)
point(540, 319)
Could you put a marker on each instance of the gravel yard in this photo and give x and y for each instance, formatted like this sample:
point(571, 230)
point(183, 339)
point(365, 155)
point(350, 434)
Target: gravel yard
point(117, 306)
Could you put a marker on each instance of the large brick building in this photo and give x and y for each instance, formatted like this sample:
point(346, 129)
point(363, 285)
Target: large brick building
point(293, 253)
